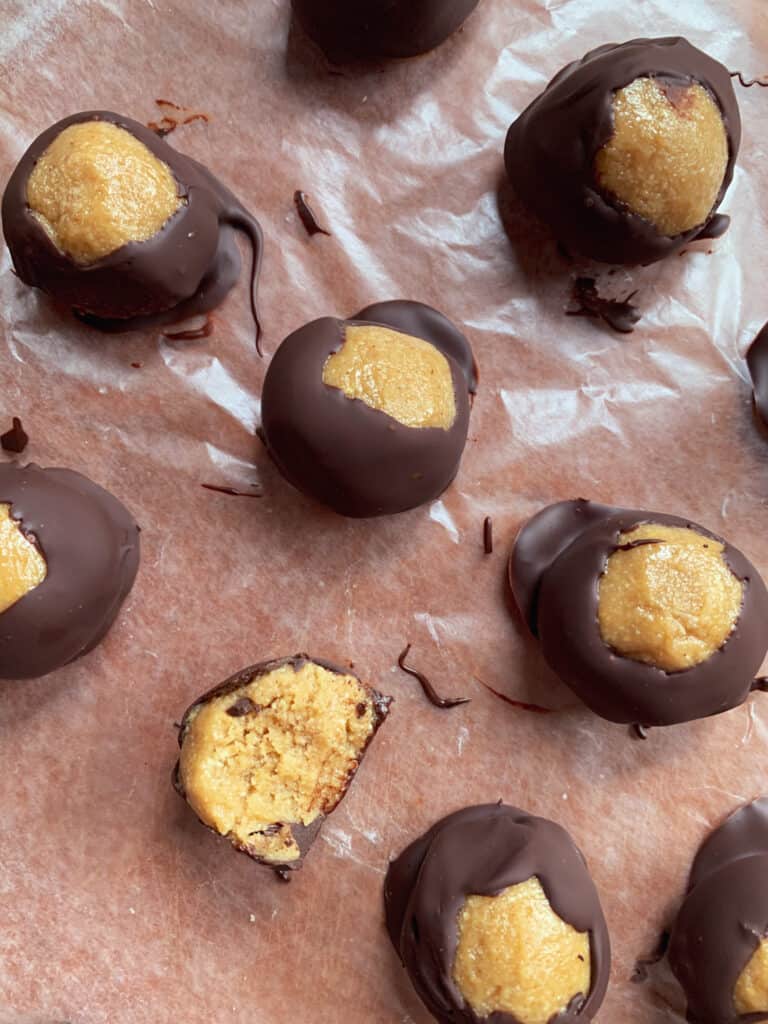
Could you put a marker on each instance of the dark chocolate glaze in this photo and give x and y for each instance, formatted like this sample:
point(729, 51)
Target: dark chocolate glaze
point(90, 544)
point(184, 270)
point(724, 916)
point(551, 148)
point(362, 29)
point(359, 461)
point(304, 835)
point(307, 215)
point(430, 692)
point(757, 363)
point(555, 569)
point(16, 439)
point(482, 851)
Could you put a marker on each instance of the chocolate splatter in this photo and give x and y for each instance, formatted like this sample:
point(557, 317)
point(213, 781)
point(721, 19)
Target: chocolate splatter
point(307, 215)
point(488, 535)
point(232, 491)
point(762, 81)
point(192, 334)
point(170, 121)
point(136, 366)
point(429, 690)
point(640, 973)
point(16, 439)
point(620, 314)
point(244, 706)
point(521, 704)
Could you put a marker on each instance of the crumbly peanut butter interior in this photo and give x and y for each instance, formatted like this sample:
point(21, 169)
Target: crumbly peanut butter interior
point(515, 955)
point(751, 992)
point(97, 187)
point(671, 604)
point(283, 758)
point(667, 158)
point(407, 378)
point(22, 567)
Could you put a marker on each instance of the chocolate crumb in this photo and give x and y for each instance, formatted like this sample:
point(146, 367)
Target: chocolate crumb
point(15, 439)
point(307, 215)
point(488, 535)
point(619, 314)
point(521, 704)
point(232, 491)
point(244, 706)
point(136, 366)
point(429, 690)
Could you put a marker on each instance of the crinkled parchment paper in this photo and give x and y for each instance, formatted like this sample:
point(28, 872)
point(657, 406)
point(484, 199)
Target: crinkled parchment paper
point(117, 907)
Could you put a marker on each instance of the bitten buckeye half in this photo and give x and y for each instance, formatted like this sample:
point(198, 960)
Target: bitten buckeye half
point(267, 755)
point(648, 617)
point(718, 948)
point(495, 918)
point(370, 415)
point(627, 153)
point(69, 553)
point(108, 219)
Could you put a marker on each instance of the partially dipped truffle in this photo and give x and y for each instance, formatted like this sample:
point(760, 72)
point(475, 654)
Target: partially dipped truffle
point(648, 617)
point(108, 219)
point(718, 947)
point(358, 29)
point(628, 152)
point(69, 553)
point(370, 415)
point(495, 917)
point(269, 753)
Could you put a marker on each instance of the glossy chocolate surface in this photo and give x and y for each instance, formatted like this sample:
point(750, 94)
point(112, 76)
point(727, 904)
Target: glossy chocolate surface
point(757, 363)
point(90, 544)
point(358, 460)
point(551, 148)
point(482, 851)
point(555, 569)
point(185, 269)
point(724, 916)
point(358, 29)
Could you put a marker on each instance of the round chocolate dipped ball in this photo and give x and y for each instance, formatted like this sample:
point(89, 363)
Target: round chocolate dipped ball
point(627, 153)
point(268, 754)
point(718, 948)
point(495, 918)
point(648, 617)
point(370, 415)
point(106, 218)
point(359, 29)
point(69, 552)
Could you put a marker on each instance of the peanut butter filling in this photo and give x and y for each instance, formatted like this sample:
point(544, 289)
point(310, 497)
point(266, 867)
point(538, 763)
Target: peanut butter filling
point(22, 567)
point(751, 992)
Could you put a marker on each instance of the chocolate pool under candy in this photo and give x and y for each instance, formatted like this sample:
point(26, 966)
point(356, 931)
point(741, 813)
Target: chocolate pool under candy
point(108, 219)
point(627, 153)
point(370, 415)
point(648, 617)
point(718, 948)
point(353, 29)
point(69, 553)
point(495, 918)
point(267, 755)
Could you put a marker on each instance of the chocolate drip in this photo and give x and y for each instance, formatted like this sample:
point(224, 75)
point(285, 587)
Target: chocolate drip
point(307, 215)
point(16, 439)
point(521, 704)
point(429, 690)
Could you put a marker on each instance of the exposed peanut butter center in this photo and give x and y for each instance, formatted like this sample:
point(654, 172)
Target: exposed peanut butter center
point(515, 955)
point(97, 187)
point(407, 378)
point(751, 992)
point(283, 758)
point(667, 158)
point(670, 604)
point(22, 567)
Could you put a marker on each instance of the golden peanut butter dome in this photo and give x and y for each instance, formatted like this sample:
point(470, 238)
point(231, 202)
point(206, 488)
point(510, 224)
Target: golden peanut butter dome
point(751, 992)
point(516, 956)
point(97, 187)
point(22, 566)
point(667, 597)
point(668, 155)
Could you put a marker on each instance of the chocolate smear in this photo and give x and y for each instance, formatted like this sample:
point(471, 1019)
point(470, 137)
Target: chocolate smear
point(16, 439)
point(307, 215)
point(429, 690)
point(619, 314)
point(232, 491)
point(523, 705)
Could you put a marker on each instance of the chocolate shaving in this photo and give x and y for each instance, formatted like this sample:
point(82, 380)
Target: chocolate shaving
point(307, 215)
point(244, 706)
point(232, 491)
point(620, 314)
point(193, 334)
point(640, 973)
point(170, 122)
point(638, 731)
point(521, 704)
point(429, 690)
point(15, 439)
point(762, 81)
point(488, 535)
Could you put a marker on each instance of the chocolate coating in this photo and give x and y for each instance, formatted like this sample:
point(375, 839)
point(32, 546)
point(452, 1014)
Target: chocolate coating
point(90, 543)
point(724, 916)
point(358, 460)
point(184, 270)
point(555, 569)
point(359, 29)
point(551, 148)
point(304, 835)
point(481, 851)
point(757, 363)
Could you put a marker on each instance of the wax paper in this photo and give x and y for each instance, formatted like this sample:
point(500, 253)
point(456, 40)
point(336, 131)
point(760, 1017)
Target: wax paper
point(116, 904)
